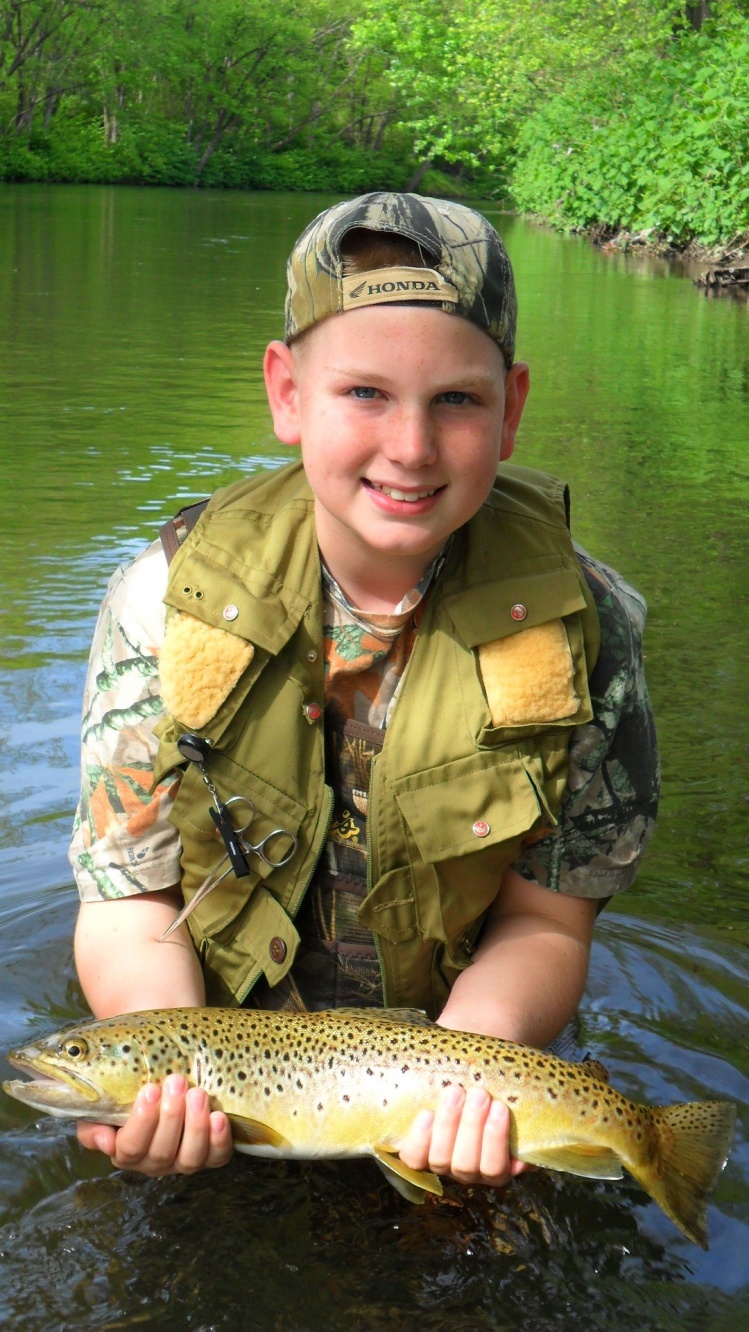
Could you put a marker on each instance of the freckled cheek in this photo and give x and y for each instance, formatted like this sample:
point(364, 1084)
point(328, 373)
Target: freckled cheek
point(476, 461)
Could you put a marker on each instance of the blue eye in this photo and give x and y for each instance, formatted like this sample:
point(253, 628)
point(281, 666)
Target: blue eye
point(363, 393)
point(455, 398)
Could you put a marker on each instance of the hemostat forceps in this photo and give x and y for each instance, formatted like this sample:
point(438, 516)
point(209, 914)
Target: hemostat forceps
point(228, 862)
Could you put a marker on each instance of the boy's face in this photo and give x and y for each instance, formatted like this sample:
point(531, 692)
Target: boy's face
point(402, 415)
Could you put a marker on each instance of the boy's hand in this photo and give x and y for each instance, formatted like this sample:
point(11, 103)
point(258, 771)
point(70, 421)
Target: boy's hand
point(468, 1137)
point(171, 1131)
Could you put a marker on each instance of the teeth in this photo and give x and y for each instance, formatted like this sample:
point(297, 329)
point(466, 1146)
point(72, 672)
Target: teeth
point(401, 495)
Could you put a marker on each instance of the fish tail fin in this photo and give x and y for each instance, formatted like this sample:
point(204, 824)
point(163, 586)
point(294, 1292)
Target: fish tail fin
point(692, 1145)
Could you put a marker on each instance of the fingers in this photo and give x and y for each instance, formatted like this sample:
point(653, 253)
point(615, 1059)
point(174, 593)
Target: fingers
point(467, 1137)
point(97, 1137)
point(171, 1130)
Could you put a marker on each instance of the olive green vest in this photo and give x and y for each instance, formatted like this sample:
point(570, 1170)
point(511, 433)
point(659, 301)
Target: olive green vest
point(451, 793)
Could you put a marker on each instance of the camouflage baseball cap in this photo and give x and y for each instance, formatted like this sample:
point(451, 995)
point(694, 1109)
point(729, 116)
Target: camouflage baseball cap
point(469, 274)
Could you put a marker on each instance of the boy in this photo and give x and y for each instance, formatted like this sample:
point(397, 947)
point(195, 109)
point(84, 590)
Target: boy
point(434, 704)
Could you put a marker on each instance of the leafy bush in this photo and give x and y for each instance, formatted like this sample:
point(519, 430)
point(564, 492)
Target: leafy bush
point(664, 147)
point(154, 151)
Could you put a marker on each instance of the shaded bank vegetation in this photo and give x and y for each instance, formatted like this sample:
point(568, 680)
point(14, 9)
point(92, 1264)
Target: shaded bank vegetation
point(617, 113)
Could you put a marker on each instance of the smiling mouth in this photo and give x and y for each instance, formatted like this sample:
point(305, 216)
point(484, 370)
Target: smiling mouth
point(410, 497)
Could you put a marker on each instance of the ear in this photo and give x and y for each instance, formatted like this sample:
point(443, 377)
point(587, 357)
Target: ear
point(281, 385)
point(517, 385)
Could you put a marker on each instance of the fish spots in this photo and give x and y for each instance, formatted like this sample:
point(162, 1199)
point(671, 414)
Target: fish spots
point(512, 1100)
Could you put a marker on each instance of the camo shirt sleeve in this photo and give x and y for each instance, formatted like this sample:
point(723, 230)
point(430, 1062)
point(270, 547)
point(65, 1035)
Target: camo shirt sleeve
point(122, 841)
point(609, 808)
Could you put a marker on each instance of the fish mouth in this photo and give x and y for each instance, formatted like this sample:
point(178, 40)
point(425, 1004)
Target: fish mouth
point(53, 1087)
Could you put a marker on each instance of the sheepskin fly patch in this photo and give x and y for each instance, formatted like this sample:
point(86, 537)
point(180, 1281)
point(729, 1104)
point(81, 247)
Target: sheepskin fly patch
point(199, 666)
point(530, 676)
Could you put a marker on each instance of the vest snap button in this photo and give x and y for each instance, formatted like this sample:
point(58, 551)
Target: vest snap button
point(518, 611)
point(312, 655)
point(481, 828)
point(277, 949)
point(313, 712)
point(231, 612)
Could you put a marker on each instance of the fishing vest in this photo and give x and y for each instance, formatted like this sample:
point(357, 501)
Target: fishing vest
point(474, 757)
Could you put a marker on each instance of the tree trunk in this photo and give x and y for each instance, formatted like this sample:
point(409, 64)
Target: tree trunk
point(111, 128)
point(698, 13)
point(223, 125)
point(380, 135)
point(418, 176)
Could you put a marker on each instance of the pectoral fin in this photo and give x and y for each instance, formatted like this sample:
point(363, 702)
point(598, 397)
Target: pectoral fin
point(411, 1184)
point(254, 1134)
point(576, 1158)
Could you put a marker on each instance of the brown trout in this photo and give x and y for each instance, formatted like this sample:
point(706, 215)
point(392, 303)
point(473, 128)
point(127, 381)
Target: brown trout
point(349, 1083)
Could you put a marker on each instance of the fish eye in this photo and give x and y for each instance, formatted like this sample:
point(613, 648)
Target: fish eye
point(76, 1048)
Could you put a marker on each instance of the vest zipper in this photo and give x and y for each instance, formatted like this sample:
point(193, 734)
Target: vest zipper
point(296, 901)
point(370, 824)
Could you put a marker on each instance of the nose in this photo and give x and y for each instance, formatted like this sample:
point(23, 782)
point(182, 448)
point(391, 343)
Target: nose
point(413, 441)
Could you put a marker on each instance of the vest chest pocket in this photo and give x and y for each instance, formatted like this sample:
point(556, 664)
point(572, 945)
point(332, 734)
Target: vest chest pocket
point(472, 804)
point(464, 821)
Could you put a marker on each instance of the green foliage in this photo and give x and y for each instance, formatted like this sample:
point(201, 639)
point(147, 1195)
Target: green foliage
point(665, 148)
point(589, 112)
point(468, 73)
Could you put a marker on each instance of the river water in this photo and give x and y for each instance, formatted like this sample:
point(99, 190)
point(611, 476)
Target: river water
point(132, 324)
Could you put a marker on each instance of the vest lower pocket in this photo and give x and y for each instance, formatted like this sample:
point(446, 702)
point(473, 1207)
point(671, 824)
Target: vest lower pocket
point(262, 939)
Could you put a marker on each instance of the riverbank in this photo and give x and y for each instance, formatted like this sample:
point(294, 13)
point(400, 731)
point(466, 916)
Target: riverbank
point(714, 268)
